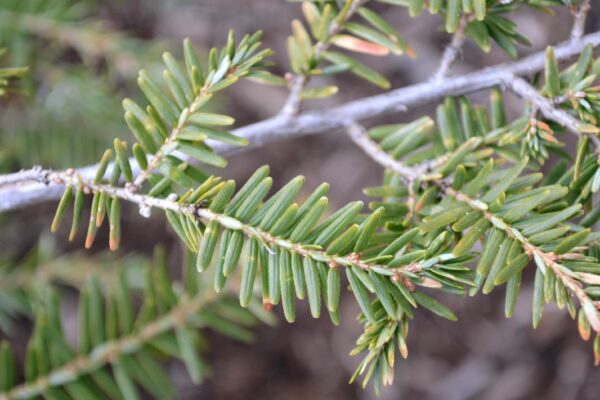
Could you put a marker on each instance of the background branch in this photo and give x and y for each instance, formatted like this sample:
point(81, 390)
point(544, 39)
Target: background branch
point(110, 351)
point(312, 122)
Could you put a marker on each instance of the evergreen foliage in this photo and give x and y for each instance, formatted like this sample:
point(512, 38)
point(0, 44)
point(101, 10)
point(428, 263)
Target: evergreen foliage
point(464, 207)
point(78, 65)
point(113, 333)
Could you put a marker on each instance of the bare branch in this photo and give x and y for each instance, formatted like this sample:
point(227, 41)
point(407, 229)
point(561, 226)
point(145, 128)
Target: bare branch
point(292, 103)
point(452, 51)
point(280, 128)
point(360, 137)
point(312, 122)
point(32, 174)
point(580, 16)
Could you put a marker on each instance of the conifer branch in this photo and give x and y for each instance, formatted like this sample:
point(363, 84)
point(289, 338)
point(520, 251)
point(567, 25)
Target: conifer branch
point(160, 154)
point(90, 37)
point(360, 136)
point(542, 257)
point(110, 351)
point(466, 176)
point(71, 179)
point(322, 248)
point(70, 270)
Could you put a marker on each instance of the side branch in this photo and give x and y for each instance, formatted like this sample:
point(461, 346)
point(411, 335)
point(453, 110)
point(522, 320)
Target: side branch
point(580, 16)
point(71, 178)
point(182, 121)
point(452, 51)
point(524, 90)
point(549, 259)
point(360, 137)
point(298, 82)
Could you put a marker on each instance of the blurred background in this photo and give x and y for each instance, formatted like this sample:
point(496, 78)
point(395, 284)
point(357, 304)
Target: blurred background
point(68, 110)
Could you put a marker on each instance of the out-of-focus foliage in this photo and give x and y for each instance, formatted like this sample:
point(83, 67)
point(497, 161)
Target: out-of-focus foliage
point(120, 346)
point(22, 281)
point(65, 112)
point(8, 75)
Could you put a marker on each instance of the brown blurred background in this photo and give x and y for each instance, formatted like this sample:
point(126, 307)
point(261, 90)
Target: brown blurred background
point(482, 356)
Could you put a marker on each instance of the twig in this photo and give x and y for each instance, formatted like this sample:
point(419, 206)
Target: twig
point(71, 178)
point(580, 16)
point(422, 172)
point(279, 128)
point(523, 89)
point(108, 352)
point(549, 259)
point(360, 136)
point(21, 176)
point(292, 104)
point(452, 51)
point(160, 154)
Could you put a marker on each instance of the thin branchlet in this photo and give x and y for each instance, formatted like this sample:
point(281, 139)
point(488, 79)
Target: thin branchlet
point(549, 258)
point(523, 89)
point(156, 159)
point(297, 82)
point(452, 51)
point(360, 136)
point(579, 17)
